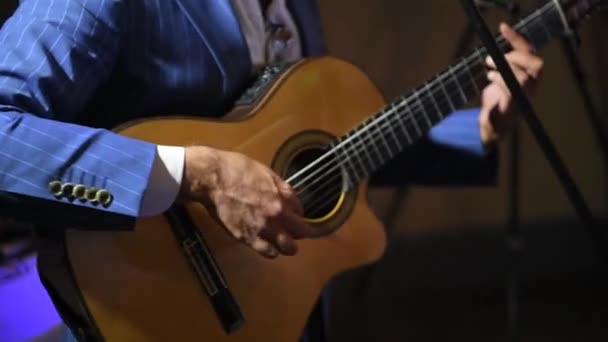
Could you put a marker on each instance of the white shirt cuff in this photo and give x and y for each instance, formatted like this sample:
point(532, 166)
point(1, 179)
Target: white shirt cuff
point(165, 180)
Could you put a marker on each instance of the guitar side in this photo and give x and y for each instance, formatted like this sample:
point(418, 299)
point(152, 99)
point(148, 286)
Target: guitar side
point(139, 286)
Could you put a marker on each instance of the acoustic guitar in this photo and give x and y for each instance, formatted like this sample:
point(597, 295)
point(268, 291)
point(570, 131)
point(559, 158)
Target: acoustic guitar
point(323, 126)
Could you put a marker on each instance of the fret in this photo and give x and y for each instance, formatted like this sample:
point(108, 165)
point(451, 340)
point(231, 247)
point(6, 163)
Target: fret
point(468, 69)
point(347, 167)
point(414, 120)
point(440, 114)
point(422, 109)
point(535, 26)
point(457, 83)
point(545, 30)
point(344, 156)
point(392, 129)
point(447, 95)
point(365, 132)
point(443, 97)
point(396, 139)
point(369, 123)
point(480, 75)
point(362, 164)
point(563, 21)
point(402, 124)
point(383, 124)
point(530, 34)
point(351, 151)
point(368, 161)
point(553, 22)
point(388, 127)
point(466, 79)
point(525, 31)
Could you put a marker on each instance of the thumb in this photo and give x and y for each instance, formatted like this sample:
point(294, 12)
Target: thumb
point(289, 194)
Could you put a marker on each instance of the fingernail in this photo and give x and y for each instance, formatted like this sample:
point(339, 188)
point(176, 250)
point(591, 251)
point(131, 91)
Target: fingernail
point(273, 253)
point(287, 247)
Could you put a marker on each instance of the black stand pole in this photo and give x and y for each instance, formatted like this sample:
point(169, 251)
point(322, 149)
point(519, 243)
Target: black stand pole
point(569, 44)
point(598, 237)
point(509, 6)
point(514, 239)
point(514, 243)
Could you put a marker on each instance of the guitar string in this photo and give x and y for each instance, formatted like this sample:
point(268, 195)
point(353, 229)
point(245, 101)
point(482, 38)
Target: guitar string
point(334, 191)
point(386, 115)
point(386, 121)
point(332, 184)
point(538, 28)
point(464, 62)
point(332, 187)
point(330, 199)
point(476, 55)
point(338, 176)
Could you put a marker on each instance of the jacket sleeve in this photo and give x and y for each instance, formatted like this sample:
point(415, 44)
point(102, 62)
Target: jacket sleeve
point(54, 56)
point(450, 155)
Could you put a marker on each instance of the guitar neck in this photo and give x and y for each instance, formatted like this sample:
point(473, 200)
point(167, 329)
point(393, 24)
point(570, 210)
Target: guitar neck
point(408, 118)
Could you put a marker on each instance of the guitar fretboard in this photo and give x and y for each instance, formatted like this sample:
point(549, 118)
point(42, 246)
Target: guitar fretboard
point(378, 139)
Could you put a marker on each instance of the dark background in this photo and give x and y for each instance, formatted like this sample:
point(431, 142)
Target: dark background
point(446, 270)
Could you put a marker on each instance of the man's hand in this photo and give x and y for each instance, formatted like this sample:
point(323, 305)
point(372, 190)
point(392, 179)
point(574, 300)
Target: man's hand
point(495, 119)
point(249, 199)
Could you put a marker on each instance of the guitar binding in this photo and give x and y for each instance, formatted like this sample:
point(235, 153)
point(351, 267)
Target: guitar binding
point(264, 79)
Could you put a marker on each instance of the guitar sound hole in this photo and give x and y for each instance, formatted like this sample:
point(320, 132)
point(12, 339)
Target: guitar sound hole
point(319, 185)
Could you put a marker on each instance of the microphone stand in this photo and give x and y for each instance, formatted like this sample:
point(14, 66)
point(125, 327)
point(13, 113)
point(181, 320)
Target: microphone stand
point(569, 44)
point(598, 237)
point(509, 6)
point(514, 240)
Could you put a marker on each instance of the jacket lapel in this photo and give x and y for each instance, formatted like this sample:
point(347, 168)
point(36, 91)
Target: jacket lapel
point(307, 16)
point(217, 25)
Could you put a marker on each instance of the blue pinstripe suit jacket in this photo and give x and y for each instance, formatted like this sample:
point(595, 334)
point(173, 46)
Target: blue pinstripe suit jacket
point(70, 69)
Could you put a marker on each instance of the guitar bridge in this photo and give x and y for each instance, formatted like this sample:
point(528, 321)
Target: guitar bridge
point(206, 269)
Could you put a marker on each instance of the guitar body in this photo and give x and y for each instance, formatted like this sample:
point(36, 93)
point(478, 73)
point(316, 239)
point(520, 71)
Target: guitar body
point(149, 284)
point(139, 285)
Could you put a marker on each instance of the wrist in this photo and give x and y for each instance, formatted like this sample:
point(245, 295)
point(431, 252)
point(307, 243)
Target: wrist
point(200, 172)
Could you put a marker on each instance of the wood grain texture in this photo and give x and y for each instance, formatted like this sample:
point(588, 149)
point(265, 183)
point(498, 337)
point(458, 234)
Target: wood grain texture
point(138, 285)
